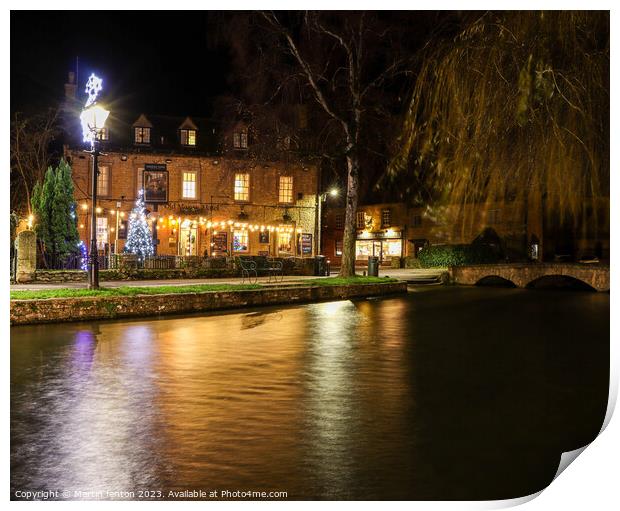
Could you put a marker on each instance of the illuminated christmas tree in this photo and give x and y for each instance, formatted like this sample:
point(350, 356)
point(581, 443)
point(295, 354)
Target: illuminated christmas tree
point(139, 238)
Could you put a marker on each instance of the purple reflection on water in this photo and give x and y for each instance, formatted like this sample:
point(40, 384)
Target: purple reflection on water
point(83, 352)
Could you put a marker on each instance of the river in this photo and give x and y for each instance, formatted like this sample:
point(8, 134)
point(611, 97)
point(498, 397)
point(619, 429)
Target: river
point(445, 393)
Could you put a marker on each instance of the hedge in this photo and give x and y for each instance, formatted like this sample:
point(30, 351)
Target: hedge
point(442, 256)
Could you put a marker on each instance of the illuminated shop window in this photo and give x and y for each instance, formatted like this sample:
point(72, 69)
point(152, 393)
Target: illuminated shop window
point(285, 243)
point(240, 241)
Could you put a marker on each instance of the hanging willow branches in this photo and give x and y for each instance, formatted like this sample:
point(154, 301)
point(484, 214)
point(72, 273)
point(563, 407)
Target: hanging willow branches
point(515, 107)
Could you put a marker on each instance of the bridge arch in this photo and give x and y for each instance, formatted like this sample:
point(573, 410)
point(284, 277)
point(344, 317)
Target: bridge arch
point(557, 281)
point(495, 281)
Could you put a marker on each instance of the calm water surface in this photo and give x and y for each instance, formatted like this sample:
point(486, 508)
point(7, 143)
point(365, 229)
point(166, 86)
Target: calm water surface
point(446, 393)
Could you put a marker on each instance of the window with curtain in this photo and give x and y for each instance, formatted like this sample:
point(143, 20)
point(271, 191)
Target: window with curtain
point(240, 240)
point(188, 137)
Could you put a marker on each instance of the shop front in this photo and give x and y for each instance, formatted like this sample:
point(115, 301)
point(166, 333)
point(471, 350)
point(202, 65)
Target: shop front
point(383, 245)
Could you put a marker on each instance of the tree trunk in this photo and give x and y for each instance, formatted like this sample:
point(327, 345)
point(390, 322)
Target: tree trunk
point(347, 268)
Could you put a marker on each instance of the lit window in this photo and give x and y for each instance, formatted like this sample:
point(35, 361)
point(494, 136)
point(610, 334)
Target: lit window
point(339, 221)
point(285, 243)
point(103, 134)
point(393, 248)
point(242, 187)
point(139, 181)
point(102, 231)
point(285, 189)
point(240, 140)
point(142, 135)
point(188, 137)
point(103, 180)
point(361, 220)
point(240, 241)
point(338, 247)
point(386, 217)
point(189, 185)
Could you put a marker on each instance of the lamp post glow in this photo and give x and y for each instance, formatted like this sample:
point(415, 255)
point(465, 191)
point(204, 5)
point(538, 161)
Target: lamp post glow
point(93, 119)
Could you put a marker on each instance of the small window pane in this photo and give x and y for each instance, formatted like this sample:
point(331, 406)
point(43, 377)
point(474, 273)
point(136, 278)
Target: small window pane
point(361, 220)
point(286, 189)
point(242, 187)
point(103, 180)
point(386, 218)
point(189, 185)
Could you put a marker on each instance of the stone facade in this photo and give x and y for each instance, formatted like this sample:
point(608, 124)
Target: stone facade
point(381, 231)
point(521, 236)
point(192, 226)
point(91, 308)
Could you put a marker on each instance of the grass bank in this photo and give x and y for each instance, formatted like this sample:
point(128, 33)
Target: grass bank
point(195, 288)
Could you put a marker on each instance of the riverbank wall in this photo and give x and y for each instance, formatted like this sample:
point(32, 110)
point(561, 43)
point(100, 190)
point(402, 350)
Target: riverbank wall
point(55, 310)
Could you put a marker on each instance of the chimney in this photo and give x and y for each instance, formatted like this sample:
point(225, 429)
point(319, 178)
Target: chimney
point(70, 86)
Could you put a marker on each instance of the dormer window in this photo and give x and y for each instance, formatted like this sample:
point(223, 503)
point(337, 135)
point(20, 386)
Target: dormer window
point(240, 140)
point(188, 137)
point(103, 134)
point(142, 135)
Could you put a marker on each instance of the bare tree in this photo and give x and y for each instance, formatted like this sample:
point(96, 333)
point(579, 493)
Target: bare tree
point(30, 154)
point(335, 57)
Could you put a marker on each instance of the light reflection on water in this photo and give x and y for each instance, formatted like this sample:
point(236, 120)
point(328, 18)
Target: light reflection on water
point(418, 397)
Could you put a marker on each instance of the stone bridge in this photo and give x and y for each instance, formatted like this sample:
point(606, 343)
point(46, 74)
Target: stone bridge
point(528, 275)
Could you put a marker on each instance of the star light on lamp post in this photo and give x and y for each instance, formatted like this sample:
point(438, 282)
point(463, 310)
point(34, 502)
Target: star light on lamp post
point(93, 119)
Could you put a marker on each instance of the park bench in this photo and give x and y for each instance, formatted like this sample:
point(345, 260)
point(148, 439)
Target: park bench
point(253, 268)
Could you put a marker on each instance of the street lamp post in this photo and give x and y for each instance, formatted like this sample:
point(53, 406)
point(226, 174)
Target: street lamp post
point(318, 216)
point(93, 119)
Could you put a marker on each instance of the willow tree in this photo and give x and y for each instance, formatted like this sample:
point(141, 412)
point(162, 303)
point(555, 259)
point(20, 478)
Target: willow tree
point(514, 107)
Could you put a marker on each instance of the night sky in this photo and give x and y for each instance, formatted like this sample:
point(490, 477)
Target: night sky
point(159, 62)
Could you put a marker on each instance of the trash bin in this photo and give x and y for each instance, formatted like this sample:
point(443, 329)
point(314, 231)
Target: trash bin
point(319, 266)
point(373, 266)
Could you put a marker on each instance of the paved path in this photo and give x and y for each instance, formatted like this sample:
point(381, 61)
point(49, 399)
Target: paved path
point(409, 275)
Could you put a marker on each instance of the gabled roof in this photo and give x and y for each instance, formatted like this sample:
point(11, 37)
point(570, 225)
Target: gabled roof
point(142, 122)
point(188, 124)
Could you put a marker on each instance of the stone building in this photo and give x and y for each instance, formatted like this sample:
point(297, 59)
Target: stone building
point(202, 199)
point(520, 233)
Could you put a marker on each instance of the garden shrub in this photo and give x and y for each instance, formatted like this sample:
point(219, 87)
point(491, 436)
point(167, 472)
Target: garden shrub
point(441, 256)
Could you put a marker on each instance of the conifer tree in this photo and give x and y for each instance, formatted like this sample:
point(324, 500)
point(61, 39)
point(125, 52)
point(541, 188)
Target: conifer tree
point(139, 240)
point(54, 208)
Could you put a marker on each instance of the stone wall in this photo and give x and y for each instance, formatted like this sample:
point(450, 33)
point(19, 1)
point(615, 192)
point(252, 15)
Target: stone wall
point(92, 308)
point(521, 275)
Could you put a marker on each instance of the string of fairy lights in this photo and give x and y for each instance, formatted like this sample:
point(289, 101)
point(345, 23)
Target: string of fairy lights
point(174, 221)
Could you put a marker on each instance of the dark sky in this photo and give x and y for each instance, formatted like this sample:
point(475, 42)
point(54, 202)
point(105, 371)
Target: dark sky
point(158, 62)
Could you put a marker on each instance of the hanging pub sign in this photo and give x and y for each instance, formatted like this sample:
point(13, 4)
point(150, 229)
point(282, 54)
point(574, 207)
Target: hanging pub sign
point(304, 244)
point(219, 243)
point(155, 183)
